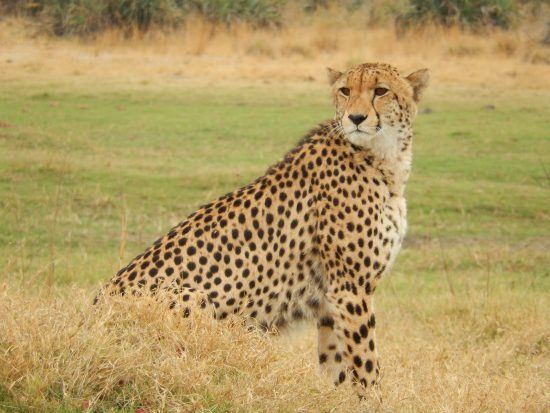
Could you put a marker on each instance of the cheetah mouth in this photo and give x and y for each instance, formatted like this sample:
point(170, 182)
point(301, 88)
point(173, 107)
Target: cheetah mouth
point(362, 137)
point(363, 134)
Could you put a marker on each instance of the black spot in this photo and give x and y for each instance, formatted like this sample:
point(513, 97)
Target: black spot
point(327, 322)
point(341, 377)
point(368, 366)
point(372, 321)
point(297, 314)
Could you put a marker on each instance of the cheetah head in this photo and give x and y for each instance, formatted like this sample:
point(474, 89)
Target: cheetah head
point(375, 104)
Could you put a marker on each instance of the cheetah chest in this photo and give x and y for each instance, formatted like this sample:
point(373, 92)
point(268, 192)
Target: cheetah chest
point(393, 229)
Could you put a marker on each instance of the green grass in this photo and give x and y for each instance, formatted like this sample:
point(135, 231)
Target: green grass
point(75, 161)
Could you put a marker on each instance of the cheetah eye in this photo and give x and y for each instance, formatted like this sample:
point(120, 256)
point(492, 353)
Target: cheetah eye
point(381, 91)
point(344, 91)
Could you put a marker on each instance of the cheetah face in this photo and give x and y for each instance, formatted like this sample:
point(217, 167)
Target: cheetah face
point(374, 102)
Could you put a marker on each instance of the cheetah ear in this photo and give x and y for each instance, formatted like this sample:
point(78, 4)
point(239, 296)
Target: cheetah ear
point(419, 82)
point(333, 75)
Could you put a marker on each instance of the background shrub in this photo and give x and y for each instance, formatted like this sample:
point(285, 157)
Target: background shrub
point(84, 17)
point(257, 12)
point(465, 13)
point(20, 6)
point(90, 16)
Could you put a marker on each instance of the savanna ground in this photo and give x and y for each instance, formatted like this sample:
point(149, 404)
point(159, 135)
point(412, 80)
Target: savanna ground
point(104, 145)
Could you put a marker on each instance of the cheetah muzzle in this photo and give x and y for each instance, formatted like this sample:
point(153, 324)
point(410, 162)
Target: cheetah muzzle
point(312, 237)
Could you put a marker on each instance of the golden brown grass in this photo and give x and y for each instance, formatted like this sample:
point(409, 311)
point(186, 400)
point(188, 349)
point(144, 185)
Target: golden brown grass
point(133, 353)
point(440, 352)
point(299, 52)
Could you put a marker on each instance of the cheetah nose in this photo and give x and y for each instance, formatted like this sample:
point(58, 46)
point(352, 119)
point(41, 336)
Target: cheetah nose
point(357, 118)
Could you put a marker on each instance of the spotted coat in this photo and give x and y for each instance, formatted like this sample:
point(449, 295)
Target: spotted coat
point(310, 239)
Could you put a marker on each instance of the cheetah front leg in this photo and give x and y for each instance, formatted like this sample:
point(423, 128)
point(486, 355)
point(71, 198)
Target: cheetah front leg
point(353, 332)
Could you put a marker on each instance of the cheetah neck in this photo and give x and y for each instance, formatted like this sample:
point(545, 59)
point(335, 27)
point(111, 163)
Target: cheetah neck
point(392, 155)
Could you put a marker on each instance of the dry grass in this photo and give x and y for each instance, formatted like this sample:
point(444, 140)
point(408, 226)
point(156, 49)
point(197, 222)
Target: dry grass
point(445, 354)
point(59, 351)
point(295, 53)
point(477, 341)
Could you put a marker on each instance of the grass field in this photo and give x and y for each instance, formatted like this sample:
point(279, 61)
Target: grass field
point(92, 172)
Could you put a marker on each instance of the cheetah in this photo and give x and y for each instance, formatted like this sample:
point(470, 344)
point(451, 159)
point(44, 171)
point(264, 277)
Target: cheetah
point(312, 237)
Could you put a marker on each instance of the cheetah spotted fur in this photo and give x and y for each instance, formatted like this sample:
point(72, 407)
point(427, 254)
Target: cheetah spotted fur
point(312, 237)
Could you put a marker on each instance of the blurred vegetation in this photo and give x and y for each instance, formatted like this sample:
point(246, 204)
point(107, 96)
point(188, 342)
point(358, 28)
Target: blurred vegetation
point(84, 17)
point(466, 13)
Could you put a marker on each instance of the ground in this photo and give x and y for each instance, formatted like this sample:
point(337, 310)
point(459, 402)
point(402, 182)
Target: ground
point(91, 172)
